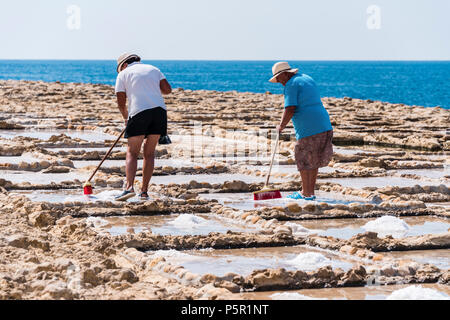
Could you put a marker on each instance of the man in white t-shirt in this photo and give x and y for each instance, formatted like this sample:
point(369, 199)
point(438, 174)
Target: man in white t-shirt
point(145, 117)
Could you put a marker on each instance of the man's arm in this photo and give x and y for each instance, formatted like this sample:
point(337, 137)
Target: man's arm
point(287, 116)
point(165, 87)
point(122, 103)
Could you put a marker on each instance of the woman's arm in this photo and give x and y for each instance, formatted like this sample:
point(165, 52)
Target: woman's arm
point(287, 116)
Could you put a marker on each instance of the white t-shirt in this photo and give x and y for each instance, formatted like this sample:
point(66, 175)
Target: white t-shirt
point(141, 83)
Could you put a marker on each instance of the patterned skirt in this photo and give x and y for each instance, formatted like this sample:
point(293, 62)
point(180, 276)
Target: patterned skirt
point(314, 152)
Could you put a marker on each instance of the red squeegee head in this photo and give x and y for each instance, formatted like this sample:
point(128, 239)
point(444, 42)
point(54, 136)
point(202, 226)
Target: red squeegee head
point(267, 195)
point(88, 190)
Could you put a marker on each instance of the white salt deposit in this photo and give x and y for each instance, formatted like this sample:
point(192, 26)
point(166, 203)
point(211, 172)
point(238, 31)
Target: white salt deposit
point(388, 225)
point(102, 196)
point(417, 293)
point(292, 296)
point(188, 221)
point(310, 261)
point(96, 222)
point(299, 230)
point(107, 195)
point(172, 254)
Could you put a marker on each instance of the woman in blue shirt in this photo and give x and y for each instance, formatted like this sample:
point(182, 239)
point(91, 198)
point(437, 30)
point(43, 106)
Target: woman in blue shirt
point(313, 129)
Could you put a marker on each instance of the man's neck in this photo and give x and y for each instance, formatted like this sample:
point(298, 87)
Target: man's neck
point(289, 77)
point(133, 64)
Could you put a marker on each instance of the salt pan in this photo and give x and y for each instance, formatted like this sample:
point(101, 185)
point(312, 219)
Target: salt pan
point(417, 293)
point(310, 261)
point(388, 225)
point(188, 221)
point(292, 296)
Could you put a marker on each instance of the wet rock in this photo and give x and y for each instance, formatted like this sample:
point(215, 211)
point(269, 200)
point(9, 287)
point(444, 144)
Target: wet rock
point(210, 292)
point(267, 280)
point(58, 290)
point(236, 186)
point(195, 185)
point(355, 276)
point(323, 275)
point(230, 286)
point(378, 257)
point(372, 163)
point(427, 270)
point(294, 207)
point(24, 242)
point(42, 219)
point(189, 196)
point(56, 169)
point(5, 183)
point(388, 271)
point(367, 240)
point(445, 278)
point(286, 230)
point(10, 126)
point(89, 276)
point(208, 278)
point(129, 276)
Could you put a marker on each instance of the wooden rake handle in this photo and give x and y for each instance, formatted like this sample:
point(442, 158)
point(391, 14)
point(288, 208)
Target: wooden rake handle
point(107, 155)
point(273, 159)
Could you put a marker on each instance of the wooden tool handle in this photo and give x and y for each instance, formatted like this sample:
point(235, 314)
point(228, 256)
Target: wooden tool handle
point(107, 155)
point(273, 159)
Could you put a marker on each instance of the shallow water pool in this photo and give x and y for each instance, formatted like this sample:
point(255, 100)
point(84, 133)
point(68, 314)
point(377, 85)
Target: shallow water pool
point(379, 182)
point(91, 136)
point(41, 178)
point(244, 201)
point(245, 261)
point(347, 228)
point(439, 258)
point(173, 225)
point(364, 293)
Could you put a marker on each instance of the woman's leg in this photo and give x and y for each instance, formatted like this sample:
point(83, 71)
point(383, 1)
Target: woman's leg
point(313, 181)
point(149, 160)
point(309, 178)
point(306, 182)
point(304, 175)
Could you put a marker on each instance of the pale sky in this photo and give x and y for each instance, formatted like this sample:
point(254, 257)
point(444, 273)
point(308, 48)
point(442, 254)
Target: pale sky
point(227, 30)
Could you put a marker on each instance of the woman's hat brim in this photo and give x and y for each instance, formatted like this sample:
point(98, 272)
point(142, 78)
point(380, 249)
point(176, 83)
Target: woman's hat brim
point(274, 78)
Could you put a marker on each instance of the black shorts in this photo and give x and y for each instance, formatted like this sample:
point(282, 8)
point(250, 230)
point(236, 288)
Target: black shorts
point(146, 123)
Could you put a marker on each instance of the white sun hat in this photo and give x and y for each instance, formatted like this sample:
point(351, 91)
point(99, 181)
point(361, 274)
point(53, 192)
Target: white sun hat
point(279, 68)
point(123, 58)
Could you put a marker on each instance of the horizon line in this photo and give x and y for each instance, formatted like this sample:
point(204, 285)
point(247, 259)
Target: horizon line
point(244, 60)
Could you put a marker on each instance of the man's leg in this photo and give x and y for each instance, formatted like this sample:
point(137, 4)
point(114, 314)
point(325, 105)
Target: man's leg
point(149, 160)
point(134, 149)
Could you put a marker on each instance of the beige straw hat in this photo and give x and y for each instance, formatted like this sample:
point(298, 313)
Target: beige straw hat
point(123, 58)
point(279, 68)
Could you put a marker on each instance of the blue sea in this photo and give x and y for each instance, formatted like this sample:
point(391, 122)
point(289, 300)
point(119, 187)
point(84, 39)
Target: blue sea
point(410, 82)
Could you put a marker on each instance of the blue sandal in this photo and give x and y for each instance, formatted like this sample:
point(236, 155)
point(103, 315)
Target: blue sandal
point(299, 196)
point(296, 196)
